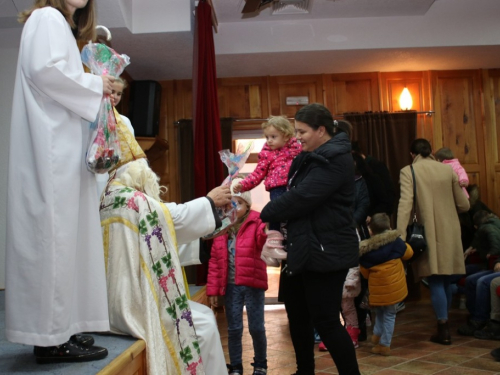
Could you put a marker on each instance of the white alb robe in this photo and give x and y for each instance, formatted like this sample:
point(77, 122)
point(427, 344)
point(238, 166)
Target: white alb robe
point(186, 218)
point(55, 278)
point(140, 249)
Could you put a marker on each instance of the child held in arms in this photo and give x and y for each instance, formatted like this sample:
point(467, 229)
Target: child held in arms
point(445, 156)
point(380, 263)
point(275, 159)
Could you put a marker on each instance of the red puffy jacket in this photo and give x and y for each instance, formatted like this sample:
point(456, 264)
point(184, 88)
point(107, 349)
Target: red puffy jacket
point(250, 270)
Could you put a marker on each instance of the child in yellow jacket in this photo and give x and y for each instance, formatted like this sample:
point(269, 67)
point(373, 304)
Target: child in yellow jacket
point(380, 263)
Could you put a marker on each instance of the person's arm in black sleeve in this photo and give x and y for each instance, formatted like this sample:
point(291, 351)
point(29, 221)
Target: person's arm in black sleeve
point(218, 221)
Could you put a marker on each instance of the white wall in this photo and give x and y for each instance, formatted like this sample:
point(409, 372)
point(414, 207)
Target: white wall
point(8, 59)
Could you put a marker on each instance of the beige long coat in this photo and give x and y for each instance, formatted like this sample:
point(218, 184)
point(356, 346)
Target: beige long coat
point(439, 197)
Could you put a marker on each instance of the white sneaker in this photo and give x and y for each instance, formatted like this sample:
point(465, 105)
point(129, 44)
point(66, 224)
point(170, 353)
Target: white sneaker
point(462, 304)
point(368, 320)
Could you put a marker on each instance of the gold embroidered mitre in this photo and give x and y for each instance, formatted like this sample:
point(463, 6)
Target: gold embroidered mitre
point(130, 149)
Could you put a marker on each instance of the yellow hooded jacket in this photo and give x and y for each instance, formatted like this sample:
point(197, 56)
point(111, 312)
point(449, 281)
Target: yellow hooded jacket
point(380, 263)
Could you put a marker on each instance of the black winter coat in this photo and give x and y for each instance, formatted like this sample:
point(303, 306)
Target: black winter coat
point(321, 233)
point(361, 201)
point(381, 201)
point(361, 206)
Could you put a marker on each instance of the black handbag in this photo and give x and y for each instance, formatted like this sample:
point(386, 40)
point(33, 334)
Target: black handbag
point(415, 234)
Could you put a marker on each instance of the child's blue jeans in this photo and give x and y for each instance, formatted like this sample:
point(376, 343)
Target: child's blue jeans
point(238, 296)
point(384, 323)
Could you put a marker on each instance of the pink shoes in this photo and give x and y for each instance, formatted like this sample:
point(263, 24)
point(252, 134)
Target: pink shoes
point(354, 333)
point(273, 252)
point(322, 347)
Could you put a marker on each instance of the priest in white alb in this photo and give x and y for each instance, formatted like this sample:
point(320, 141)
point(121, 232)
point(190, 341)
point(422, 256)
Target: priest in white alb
point(147, 291)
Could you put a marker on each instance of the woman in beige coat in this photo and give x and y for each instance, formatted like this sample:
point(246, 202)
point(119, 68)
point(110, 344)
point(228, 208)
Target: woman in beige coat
point(439, 197)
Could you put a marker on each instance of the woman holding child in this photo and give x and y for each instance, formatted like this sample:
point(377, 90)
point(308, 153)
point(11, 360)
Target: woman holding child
point(439, 197)
point(321, 238)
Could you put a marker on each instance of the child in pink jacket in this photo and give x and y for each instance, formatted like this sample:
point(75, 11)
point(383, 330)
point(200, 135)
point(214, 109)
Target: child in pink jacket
point(236, 271)
point(275, 159)
point(445, 155)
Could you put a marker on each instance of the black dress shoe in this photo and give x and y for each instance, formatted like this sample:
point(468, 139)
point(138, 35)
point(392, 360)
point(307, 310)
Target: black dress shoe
point(83, 340)
point(69, 352)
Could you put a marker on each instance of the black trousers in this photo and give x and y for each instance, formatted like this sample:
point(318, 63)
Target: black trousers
point(362, 313)
point(312, 299)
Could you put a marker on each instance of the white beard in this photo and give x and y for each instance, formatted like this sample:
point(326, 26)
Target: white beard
point(138, 175)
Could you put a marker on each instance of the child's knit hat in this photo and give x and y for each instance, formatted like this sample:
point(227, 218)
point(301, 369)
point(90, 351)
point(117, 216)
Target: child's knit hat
point(246, 196)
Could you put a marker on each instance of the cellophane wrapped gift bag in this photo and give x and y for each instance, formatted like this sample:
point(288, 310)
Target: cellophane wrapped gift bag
point(103, 152)
point(234, 163)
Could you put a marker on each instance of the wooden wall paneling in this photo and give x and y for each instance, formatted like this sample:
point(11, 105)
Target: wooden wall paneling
point(176, 104)
point(352, 92)
point(496, 202)
point(491, 91)
point(301, 85)
point(243, 98)
point(425, 127)
point(167, 90)
point(182, 109)
point(459, 119)
point(183, 104)
point(162, 166)
point(393, 83)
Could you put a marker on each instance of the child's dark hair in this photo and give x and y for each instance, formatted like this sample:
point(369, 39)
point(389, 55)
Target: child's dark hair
point(380, 223)
point(480, 217)
point(361, 166)
point(444, 154)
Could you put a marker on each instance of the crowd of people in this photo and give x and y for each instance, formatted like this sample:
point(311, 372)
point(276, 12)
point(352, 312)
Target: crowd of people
point(78, 261)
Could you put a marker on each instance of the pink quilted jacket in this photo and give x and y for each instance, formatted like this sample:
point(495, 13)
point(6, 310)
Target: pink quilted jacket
point(273, 165)
point(250, 270)
point(460, 171)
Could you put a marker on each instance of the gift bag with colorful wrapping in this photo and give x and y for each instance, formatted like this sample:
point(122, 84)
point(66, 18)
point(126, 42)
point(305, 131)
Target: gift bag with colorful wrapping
point(103, 152)
point(234, 163)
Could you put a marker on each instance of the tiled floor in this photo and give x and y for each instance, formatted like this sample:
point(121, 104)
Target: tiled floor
point(412, 352)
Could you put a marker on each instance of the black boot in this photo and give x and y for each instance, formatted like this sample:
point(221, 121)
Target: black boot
point(68, 352)
point(442, 336)
point(235, 370)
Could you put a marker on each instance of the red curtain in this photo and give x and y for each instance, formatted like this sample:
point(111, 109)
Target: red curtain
point(208, 168)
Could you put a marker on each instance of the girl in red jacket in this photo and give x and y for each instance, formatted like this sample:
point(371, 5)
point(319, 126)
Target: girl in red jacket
point(236, 270)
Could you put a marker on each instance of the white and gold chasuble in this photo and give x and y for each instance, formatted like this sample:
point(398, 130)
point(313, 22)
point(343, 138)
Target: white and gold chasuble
point(146, 286)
